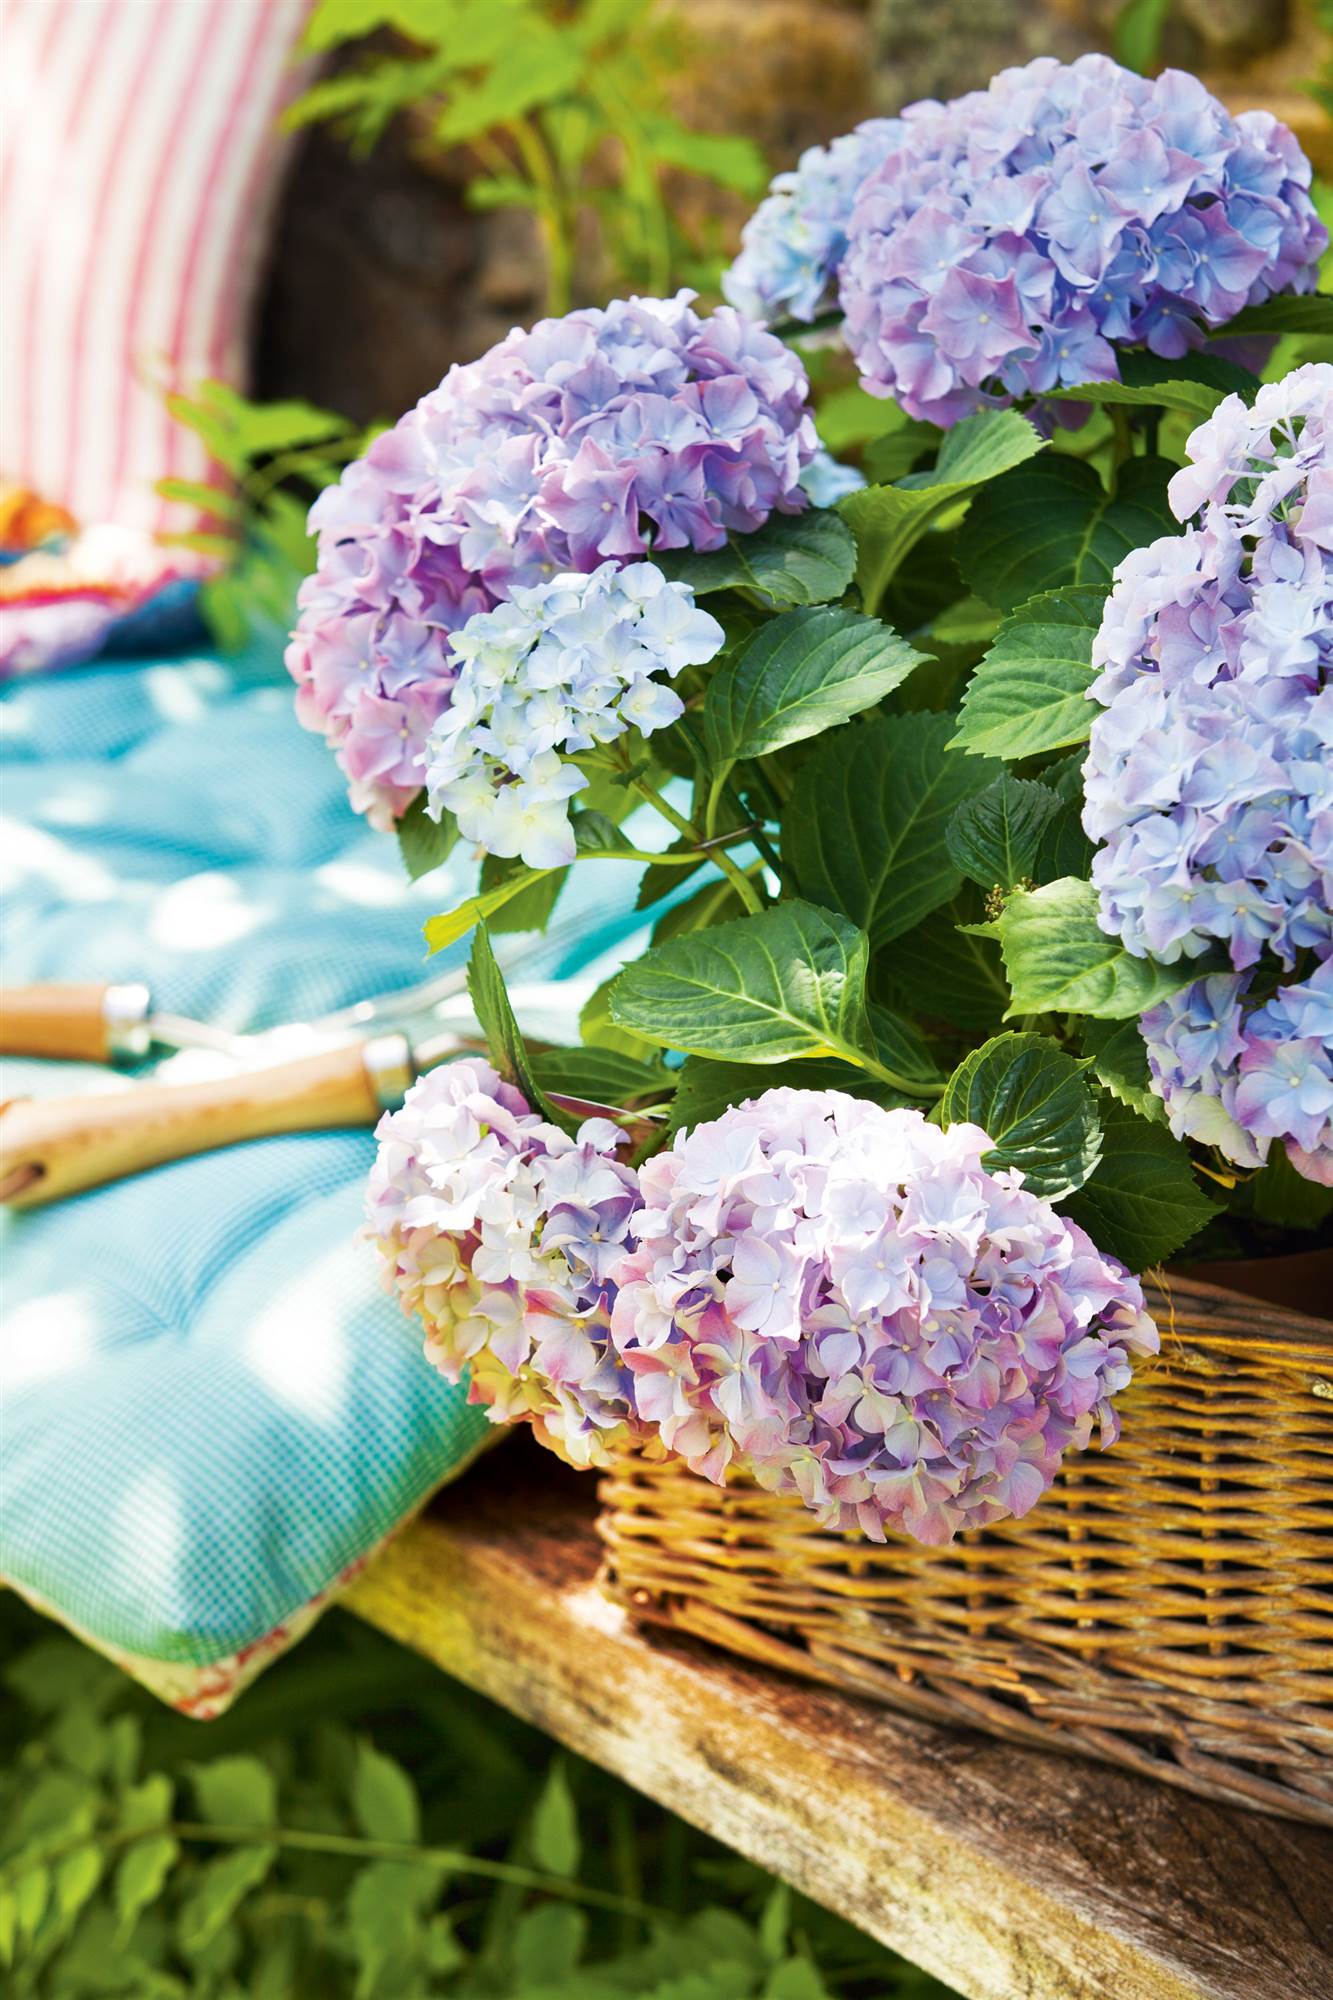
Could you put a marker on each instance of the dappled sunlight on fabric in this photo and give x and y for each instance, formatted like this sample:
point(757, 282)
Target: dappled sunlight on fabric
point(360, 882)
point(150, 1531)
point(300, 1344)
point(203, 912)
point(185, 692)
point(31, 855)
point(47, 1336)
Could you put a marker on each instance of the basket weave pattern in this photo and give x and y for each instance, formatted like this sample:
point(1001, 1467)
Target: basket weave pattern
point(1167, 1606)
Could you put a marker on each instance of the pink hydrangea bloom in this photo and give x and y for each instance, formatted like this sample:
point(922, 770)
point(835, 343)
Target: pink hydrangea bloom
point(594, 437)
point(499, 1232)
point(843, 1302)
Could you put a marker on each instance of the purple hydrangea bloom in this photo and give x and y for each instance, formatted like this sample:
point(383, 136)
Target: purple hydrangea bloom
point(1209, 778)
point(1010, 239)
point(594, 436)
point(795, 241)
point(843, 1302)
point(500, 1233)
point(1239, 1074)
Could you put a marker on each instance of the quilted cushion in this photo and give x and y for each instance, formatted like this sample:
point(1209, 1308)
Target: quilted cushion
point(211, 1410)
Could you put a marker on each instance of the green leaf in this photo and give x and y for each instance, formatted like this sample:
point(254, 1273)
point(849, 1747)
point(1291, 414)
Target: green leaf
point(802, 673)
point(793, 559)
point(599, 1030)
point(141, 1877)
point(941, 972)
point(504, 1038)
point(601, 1076)
point(384, 1798)
point(705, 1089)
point(1030, 1098)
point(1053, 522)
point(534, 905)
point(217, 1891)
point(1280, 1195)
point(1119, 1059)
point(219, 500)
point(76, 1881)
point(236, 1791)
point(888, 520)
point(554, 1832)
point(1065, 849)
point(548, 1945)
point(994, 837)
point(537, 67)
point(1030, 693)
point(847, 417)
point(717, 902)
point(424, 842)
point(788, 983)
point(1194, 384)
point(1059, 960)
point(456, 923)
point(1136, 38)
point(730, 159)
point(1143, 1202)
point(1284, 314)
point(865, 830)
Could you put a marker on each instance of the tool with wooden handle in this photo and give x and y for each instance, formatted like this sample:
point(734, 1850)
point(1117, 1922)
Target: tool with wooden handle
point(80, 1023)
point(59, 1146)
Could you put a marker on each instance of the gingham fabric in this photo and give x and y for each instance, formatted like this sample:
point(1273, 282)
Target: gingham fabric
point(210, 1410)
point(140, 165)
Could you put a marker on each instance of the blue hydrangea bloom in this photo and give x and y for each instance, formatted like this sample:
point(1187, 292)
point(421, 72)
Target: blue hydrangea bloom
point(1009, 240)
point(794, 242)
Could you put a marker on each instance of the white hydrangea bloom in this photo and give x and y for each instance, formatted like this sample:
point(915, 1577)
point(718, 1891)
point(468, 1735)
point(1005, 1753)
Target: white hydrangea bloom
point(567, 665)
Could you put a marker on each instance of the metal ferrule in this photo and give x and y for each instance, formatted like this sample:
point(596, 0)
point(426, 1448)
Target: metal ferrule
point(125, 1011)
point(388, 1061)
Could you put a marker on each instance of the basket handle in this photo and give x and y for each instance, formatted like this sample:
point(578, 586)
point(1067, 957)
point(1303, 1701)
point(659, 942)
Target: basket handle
point(59, 1146)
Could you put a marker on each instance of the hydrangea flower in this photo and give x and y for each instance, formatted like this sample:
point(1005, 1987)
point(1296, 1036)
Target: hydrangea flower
point(1240, 1074)
point(842, 1301)
point(1011, 239)
point(500, 1232)
point(795, 241)
point(1209, 778)
point(592, 437)
point(565, 665)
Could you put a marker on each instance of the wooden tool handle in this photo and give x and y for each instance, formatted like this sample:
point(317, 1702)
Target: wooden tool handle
point(59, 1146)
point(81, 1023)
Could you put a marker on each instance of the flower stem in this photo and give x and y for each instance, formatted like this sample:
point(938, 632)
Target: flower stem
point(737, 877)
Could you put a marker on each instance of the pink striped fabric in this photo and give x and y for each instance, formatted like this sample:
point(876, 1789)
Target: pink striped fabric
point(140, 164)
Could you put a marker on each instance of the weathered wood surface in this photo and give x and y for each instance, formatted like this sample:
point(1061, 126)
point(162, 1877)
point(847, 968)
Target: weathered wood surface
point(1011, 1874)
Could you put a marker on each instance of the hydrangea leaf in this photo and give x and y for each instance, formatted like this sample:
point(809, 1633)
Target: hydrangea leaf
point(1030, 693)
point(1053, 522)
point(1194, 384)
point(942, 971)
point(451, 925)
point(1065, 849)
point(765, 989)
point(1280, 1195)
point(994, 837)
point(1311, 314)
point(1059, 960)
point(504, 1038)
point(801, 674)
point(707, 1089)
point(1030, 1096)
point(864, 832)
point(804, 558)
point(889, 520)
point(425, 842)
point(1143, 1202)
point(1119, 1060)
point(601, 1076)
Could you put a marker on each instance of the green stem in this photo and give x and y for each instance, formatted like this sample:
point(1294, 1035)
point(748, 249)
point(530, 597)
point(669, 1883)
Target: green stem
point(349, 1847)
point(550, 212)
point(737, 877)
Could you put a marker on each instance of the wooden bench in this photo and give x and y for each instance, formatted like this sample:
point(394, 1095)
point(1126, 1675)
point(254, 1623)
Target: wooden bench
point(1010, 1874)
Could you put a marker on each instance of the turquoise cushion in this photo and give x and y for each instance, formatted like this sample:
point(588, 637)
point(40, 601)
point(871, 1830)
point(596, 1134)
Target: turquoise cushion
point(211, 1409)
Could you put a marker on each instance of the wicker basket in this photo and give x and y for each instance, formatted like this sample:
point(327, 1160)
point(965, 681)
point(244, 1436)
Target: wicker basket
point(1168, 1606)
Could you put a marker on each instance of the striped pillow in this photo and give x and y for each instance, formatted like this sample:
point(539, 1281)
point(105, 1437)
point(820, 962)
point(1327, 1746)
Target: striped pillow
point(140, 165)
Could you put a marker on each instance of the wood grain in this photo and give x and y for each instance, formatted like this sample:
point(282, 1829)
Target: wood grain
point(1009, 1873)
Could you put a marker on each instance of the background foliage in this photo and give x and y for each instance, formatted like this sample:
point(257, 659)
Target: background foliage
point(361, 1825)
